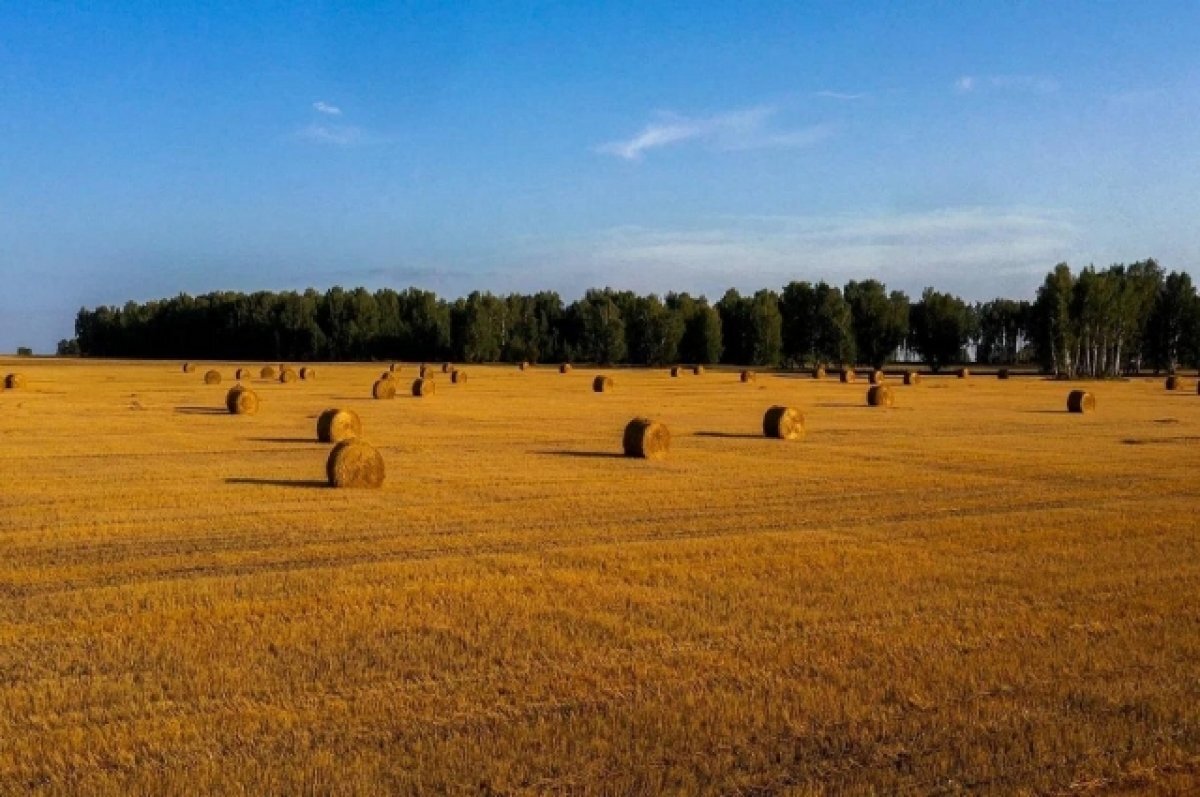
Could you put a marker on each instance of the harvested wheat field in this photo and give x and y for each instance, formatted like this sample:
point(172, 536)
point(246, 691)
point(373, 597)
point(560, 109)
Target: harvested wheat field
point(973, 590)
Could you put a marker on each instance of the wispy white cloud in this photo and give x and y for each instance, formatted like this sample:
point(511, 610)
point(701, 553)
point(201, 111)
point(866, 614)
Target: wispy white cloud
point(1027, 83)
point(326, 108)
point(736, 130)
point(839, 95)
point(337, 135)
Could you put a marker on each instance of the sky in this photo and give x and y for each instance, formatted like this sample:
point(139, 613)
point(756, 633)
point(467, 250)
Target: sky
point(149, 149)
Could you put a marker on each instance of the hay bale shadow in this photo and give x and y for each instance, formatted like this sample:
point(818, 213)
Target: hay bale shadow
point(283, 440)
point(582, 454)
point(307, 483)
point(730, 435)
point(201, 410)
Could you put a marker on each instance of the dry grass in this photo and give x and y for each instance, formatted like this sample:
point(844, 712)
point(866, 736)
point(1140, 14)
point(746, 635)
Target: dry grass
point(186, 608)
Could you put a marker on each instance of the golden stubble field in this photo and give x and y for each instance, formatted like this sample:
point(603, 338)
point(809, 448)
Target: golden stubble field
point(973, 591)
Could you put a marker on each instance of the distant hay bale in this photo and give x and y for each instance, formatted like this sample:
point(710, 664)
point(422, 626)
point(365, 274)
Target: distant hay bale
point(308, 373)
point(267, 372)
point(394, 368)
point(877, 377)
point(848, 376)
point(243, 373)
point(1002, 373)
point(602, 384)
point(335, 425)
point(189, 368)
point(423, 387)
point(963, 373)
point(241, 400)
point(675, 370)
point(698, 370)
point(286, 376)
point(565, 368)
point(747, 376)
point(1081, 401)
point(880, 396)
point(783, 423)
point(646, 439)
point(458, 377)
point(447, 368)
point(386, 375)
point(384, 389)
point(212, 377)
point(423, 370)
point(818, 372)
point(524, 366)
point(14, 381)
point(1173, 382)
point(355, 463)
point(912, 377)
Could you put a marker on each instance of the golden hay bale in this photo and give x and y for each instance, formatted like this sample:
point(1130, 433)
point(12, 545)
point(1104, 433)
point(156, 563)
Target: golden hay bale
point(423, 387)
point(335, 425)
point(675, 370)
point(602, 383)
point(818, 372)
point(877, 377)
point(646, 439)
point(1173, 382)
point(963, 373)
point(386, 375)
point(267, 372)
point(1081, 401)
point(1002, 373)
point(355, 463)
point(423, 370)
point(189, 368)
point(783, 423)
point(308, 373)
point(384, 389)
point(457, 377)
point(748, 376)
point(212, 377)
point(880, 396)
point(243, 373)
point(698, 370)
point(524, 366)
point(394, 368)
point(848, 375)
point(241, 400)
point(565, 368)
point(447, 368)
point(287, 375)
point(14, 381)
point(912, 377)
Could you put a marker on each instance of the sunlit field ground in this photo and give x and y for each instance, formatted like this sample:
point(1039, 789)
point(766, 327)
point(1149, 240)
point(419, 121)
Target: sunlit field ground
point(974, 590)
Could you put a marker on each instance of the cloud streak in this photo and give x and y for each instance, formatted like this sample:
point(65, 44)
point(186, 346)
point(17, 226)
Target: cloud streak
point(1034, 84)
point(839, 95)
point(744, 129)
point(326, 108)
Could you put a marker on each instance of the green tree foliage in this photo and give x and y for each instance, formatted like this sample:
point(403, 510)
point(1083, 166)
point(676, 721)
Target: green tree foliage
point(879, 319)
point(703, 338)
point(941, 325)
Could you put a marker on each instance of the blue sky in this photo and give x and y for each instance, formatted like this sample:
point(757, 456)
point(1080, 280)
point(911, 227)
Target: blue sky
point(148, 148)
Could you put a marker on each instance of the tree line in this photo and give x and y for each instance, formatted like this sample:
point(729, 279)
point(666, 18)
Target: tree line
point(1094, 323)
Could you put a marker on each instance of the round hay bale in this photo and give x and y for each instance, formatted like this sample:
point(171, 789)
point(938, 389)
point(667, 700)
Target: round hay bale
point(14, 381)
point(602, 384)
point(675, 370)
point(189, 368)
point(524, 366)
point(458, 377)
point(241, 400)
point(818, 372)
point(335, 425)
point(1173, 382)
point(646, 439)
point(1081, 401)
point(423, 387)
point(748, 376)
point(912, 377)
point(877, 377)
point(355, 463)
point(423, 370)
point(308, 373)
point(386, 375)
point(243, 373)
point(212, 377)
point(447, 368)
point(1002, 373)
point(565, 368)
point(880, 396)
point(698, 370)
point(384, 389)
point(267, 372)
point(848, 376)
point(286, 376)
point(394, 368)
point(963, 373)
point(783, 423)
